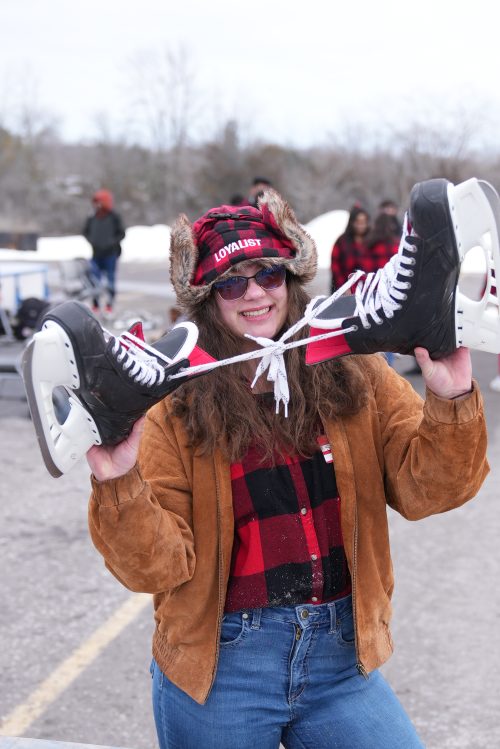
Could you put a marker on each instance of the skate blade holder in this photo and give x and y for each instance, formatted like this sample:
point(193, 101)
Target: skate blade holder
point(48, 364)
point(475, 209)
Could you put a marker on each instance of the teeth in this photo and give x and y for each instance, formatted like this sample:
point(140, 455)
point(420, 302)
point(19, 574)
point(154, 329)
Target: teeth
point(257, 313)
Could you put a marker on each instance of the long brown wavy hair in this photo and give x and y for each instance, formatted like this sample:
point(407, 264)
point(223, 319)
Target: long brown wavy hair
point(220, 410)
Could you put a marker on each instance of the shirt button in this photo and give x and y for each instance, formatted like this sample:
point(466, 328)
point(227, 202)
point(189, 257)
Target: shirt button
point(314, 598)
point(244, 616)
point(314, 557)
point(304, 511)
point(304, 614)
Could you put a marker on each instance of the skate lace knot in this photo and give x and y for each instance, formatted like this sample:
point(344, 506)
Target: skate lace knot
point(380, 293)
point(140, 366)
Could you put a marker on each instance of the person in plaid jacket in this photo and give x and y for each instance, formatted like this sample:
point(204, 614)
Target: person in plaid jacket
point(350, 252)
point(264, 539)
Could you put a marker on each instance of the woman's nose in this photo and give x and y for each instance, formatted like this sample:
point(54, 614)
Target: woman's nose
point(253, 289)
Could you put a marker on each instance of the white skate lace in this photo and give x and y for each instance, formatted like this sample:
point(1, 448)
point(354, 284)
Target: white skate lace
point(272, 352)
point(376, 294)
point(139, 361)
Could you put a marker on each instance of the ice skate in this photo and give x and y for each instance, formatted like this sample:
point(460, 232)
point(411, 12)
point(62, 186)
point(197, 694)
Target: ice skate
point(416, 299)
point(87, 387)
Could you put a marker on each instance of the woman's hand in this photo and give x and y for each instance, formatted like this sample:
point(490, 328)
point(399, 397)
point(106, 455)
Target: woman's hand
point(112, 461)
point(448, 377)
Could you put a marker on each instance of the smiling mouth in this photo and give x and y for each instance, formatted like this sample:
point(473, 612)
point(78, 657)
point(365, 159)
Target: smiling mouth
point(257, 312)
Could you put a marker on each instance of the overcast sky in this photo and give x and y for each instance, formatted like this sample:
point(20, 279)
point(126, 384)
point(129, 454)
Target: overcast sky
point(289, 71)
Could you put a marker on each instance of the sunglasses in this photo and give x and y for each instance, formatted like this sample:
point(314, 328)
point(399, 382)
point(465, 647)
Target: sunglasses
point(235, 287)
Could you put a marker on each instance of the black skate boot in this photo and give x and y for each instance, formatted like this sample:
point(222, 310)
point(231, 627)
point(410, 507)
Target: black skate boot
point(86, 386)
point(415, 299)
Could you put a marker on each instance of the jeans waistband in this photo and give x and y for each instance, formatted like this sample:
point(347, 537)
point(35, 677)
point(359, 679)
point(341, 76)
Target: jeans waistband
point(305, 614)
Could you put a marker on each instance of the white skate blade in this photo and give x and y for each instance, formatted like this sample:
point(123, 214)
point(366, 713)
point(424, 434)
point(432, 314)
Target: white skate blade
point(472, 210)
point(477, 310)
point(48, 362)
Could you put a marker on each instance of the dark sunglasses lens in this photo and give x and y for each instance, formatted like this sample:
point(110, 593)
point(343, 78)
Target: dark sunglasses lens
point(235, 287)
point(232, 288)
point(271, 278)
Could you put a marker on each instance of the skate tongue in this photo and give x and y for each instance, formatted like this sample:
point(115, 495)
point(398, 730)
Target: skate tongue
point(137, 330)
point(332, 316)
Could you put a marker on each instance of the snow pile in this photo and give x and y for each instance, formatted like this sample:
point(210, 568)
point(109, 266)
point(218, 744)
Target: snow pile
point(141, 244)
point(325, 230)
point(151, 243)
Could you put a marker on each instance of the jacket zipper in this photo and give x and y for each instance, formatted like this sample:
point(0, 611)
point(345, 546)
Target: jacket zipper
point(361, 669)
point(220, 605)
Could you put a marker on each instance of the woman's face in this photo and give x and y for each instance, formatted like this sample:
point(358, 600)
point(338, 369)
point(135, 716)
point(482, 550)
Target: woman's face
point(258, 312)
point(360, 224)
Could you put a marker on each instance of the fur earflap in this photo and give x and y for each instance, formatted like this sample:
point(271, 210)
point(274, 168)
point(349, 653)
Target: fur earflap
point(183, 262)
point(305, 263)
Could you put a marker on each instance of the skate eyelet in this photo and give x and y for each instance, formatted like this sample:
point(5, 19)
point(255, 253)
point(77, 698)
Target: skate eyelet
point(410, 273)
point(379, 322)
point(353, 327)
point(404, 297)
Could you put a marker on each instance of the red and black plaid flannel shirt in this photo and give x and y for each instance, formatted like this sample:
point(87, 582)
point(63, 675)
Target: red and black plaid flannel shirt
point(288, 546)
point(349, 256)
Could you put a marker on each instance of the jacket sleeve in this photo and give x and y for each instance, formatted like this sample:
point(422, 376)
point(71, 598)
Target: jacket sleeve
point(434, 450)
point(120, 231)
point(86, 229)
point(143, 529)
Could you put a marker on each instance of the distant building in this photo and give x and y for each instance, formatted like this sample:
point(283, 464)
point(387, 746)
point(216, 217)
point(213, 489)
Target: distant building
point(22, 237)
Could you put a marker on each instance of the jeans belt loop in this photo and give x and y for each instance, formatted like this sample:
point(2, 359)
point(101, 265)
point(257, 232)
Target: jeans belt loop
point(256, 614)
point(333, 618)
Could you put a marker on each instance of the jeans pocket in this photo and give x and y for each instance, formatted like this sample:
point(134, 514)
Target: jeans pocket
point(345, 629)
point(234, 628)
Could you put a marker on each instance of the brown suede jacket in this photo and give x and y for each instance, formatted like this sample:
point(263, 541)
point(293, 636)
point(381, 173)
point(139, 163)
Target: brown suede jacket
point(166, 527)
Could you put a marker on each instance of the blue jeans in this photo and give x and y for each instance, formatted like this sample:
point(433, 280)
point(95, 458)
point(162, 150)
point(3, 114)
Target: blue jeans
point(285, 675)
point(105, 266)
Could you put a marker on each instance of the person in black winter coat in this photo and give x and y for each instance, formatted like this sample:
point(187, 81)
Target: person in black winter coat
point(104, 231)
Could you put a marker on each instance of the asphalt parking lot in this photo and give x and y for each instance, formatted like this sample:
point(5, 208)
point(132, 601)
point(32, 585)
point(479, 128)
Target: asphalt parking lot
point(75, 645)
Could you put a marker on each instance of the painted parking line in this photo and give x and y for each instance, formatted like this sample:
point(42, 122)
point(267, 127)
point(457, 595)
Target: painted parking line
point(16, 723)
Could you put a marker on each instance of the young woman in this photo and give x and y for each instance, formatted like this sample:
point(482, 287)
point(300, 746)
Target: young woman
point(350, 252)
point(264, 539)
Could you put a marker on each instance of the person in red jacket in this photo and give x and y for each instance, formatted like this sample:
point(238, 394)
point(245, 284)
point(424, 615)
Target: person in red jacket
point(349, 252)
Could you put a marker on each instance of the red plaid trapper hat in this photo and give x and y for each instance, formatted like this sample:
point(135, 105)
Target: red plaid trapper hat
point(226, 235)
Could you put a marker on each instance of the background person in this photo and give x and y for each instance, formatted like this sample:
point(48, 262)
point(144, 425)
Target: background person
point(388, 207)
point(349, 252)
point(104, 231)
point(259, 185)
point(381, 245)
point(264, 539)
